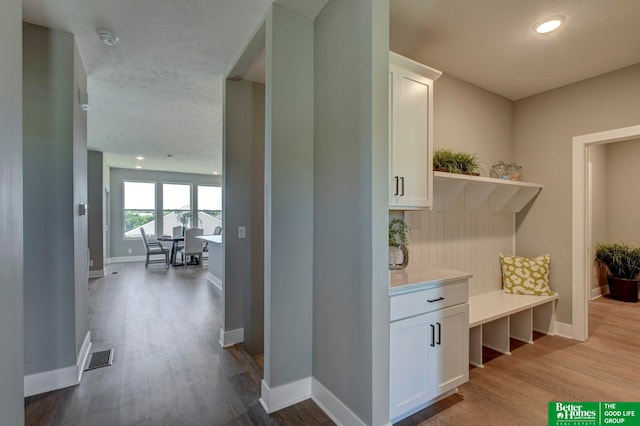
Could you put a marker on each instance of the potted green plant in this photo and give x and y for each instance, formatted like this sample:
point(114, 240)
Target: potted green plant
point(185, 218)
point(398, 242)
point(447, 160)
point(623, 262)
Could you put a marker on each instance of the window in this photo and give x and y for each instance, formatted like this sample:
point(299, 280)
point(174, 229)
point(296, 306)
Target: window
point(209, 207)
point(176, 206)
point(139, 208)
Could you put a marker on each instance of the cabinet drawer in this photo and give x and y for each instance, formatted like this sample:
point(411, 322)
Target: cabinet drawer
point(419, 302)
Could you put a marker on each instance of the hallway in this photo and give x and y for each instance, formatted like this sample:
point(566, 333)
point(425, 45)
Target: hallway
point(168, 368)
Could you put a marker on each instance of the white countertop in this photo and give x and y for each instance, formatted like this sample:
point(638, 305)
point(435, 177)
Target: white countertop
point(408, 280)
point(211, 238)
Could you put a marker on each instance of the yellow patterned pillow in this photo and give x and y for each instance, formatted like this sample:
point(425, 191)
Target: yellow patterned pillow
point(525, 276)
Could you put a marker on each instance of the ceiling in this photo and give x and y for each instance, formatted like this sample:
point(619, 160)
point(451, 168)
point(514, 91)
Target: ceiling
point(491, 43)
point(158, 91)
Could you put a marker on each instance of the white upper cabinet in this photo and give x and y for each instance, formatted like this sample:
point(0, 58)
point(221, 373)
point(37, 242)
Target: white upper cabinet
point(410, 133)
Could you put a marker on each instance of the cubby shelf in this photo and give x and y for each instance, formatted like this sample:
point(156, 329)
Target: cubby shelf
point(502, 194)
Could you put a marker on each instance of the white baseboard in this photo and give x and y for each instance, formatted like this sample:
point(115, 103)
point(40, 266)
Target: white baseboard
point(332, 406)
point(47, 381)
point(274, 399)
point(217, 282)
point(599, 291)
point(123, 259)
point(231, 337)
point(563, 330)
point(97, 273)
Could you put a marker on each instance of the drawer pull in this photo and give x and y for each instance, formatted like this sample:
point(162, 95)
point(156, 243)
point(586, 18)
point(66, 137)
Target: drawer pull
point(435, 300)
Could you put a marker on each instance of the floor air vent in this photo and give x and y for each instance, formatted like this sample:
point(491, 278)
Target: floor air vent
point(100, 359)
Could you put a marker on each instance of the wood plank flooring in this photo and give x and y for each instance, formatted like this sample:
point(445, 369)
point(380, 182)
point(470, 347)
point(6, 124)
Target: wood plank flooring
point(168, 366)
point(170, 370)
point(515, 390)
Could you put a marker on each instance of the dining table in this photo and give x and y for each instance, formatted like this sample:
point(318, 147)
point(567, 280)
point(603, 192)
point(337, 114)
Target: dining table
point(174, 246)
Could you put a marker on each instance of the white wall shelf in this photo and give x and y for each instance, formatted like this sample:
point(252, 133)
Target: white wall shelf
point(502, 194)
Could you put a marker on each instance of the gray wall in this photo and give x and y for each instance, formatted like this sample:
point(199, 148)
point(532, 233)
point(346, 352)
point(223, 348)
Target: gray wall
point(95, 190)
point(599, 208)
point(544, 126)
point(623, 220)
point(243, 183)
point(472, 119)
point(289, 207)
point(54, 149)
point(350, 292)
point(119, 245)
point(11, 261)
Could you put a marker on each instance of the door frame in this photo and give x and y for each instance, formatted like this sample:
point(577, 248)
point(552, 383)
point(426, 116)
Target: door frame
point(581, 227)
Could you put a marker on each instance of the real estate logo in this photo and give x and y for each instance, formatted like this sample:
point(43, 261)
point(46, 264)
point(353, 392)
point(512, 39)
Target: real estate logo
point(575, 413)
point(593, 413)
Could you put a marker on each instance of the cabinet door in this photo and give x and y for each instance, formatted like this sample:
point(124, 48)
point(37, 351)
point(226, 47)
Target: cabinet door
point(408, 375)
point(449, 364)
point(412, 154)
point(394, 179)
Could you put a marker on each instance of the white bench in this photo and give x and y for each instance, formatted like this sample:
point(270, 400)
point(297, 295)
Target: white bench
point(496, 316)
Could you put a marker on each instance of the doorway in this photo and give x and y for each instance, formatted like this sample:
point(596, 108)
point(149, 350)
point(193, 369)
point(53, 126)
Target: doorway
point(582, 222)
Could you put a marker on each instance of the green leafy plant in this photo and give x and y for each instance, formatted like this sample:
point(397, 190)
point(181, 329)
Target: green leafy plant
point(445, 159)
point(622, 260)
point(398, 231)
point(185, 218)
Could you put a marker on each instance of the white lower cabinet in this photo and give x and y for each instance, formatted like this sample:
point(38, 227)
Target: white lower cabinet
point(429, 356)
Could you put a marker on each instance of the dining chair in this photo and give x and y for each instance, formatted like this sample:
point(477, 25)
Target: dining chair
point(192, 245)
point(152, 248)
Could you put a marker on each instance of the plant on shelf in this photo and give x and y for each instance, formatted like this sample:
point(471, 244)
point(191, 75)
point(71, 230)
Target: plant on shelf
point(398, 242)
point(623, 262)
point(447, 160)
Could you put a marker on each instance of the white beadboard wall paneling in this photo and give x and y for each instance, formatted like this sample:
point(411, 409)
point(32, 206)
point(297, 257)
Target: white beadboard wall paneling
point(464, 239)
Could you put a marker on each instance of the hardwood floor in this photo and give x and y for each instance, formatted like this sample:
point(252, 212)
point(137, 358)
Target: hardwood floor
point(515, 390)
point(168, 366)
point(170, 370)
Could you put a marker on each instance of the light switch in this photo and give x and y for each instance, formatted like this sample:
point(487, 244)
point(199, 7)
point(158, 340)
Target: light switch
point(242, 231)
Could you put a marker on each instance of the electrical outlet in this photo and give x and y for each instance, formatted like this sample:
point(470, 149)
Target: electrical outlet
point(91, 262)
point(130, 251)
point(242, 231)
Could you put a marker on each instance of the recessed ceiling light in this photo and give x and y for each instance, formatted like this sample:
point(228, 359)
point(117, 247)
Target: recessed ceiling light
point(139, 157)
point(548, 24)
point(108, 38)
point(138, 167)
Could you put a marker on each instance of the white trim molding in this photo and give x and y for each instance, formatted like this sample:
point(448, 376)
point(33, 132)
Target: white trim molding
point(284, 396)
point(217, 282)
point(97, 273)
point(332, 406)
point(563, 330)
point(231, 337)
point(47, 381)
point(599, 291)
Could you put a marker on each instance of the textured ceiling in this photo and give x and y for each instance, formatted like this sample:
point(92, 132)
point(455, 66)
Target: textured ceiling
point(158, 91)
point(491, 43)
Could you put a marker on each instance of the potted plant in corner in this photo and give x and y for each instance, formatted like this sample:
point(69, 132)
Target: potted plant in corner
point(398, 242)
point(623, 262)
